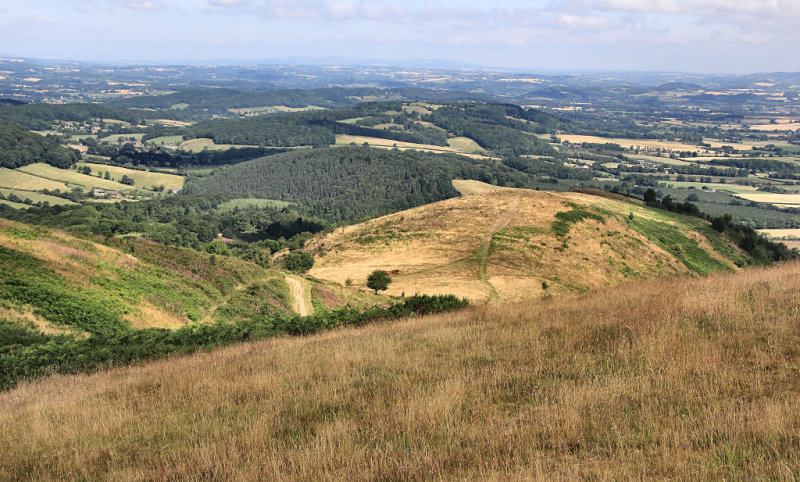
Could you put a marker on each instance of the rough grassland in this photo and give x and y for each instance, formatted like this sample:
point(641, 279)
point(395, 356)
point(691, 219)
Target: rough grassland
point(686, 378)
point(514, 244)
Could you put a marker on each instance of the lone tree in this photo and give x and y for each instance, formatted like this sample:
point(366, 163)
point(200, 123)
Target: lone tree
point(378, 280)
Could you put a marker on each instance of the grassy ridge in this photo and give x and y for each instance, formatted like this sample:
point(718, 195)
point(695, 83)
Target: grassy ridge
point(680, 378)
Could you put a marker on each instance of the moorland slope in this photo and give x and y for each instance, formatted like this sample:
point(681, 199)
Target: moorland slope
point(515, 244)
point(688, 377)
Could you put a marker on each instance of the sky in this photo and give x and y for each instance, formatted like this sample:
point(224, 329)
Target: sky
point(704, 36)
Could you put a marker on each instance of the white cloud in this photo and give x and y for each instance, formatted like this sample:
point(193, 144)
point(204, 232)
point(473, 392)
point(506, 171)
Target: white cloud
point(228, 3)
point(583, 21)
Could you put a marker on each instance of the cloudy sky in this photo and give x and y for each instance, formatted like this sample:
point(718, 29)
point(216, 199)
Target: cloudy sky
point(674, 35)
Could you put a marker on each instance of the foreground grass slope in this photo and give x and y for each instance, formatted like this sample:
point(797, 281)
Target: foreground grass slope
point(512, 244)
point(680, 378)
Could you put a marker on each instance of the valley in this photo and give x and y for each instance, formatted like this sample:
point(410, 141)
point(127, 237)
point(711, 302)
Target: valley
point(369, 272)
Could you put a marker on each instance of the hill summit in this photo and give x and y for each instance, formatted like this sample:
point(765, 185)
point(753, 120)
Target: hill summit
point(512, 244)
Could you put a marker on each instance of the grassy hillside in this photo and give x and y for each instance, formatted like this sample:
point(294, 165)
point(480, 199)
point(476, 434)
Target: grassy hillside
point(72, 304)
point(75, 284)
point(669, 379)
point(513, 244)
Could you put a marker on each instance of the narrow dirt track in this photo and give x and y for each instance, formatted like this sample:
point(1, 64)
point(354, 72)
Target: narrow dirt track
point(483, 253)
point(298, 294)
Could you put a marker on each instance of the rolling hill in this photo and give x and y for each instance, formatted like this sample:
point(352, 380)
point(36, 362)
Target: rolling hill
point(72, 304)
point(685, 378)
point(511, 244)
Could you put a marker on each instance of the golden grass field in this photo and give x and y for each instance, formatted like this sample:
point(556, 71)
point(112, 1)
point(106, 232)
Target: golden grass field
point(497, 243)
point(346, 139)
point(644, 143)
point(683, 378)
point(781, 233)
point(141, 179)
point(773, 198)
point(72, 178)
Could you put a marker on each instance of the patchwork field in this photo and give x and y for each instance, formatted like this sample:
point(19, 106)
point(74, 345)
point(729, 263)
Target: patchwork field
point(17, 179)
point(346, 139)
point(512, 244)
point(201, 144)
point(464, 144)
point(789, 200)
point(37, 197)
point(72, 178)
point(142, 179)
point(643, 143)
point(252, 202)
point(789, 234)
point(166, 141)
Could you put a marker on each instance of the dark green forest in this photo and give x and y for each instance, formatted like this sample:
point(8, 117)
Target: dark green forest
point(354, 182)
point(20, 147)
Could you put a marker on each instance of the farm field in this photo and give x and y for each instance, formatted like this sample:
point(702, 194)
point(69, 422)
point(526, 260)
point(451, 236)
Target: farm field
point(71, 177)
point(789, 234)
point(347, 139)
point(17, 179)
point(116, 137)
point(642, 143)
point(37, 197)
point(198, 145)
point(734, 188)
point(142, 179)
point(13, 204)
point(166, 141)
point(772, 198)
point(243, 203)
point(464, 144)
point(509, 244)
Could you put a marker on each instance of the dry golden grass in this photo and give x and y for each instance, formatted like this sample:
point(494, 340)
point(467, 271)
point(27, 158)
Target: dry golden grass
point(645, 143)
point(687, 378)
point(469, 186)
point(455, 246)
point(346, 139)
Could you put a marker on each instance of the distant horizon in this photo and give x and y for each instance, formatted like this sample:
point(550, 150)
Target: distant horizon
point(346, 61)
point(692, 36)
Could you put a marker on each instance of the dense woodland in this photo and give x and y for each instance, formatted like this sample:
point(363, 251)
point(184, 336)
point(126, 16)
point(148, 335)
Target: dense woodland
point(20, 147)
point(351, 183)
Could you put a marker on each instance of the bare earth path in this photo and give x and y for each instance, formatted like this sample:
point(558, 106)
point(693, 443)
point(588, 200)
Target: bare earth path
point(483, 252)
point(298, 295)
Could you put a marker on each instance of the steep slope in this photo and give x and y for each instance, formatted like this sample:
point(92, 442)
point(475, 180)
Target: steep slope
point(514, 244)
point(686, 378)
point(65, 282)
